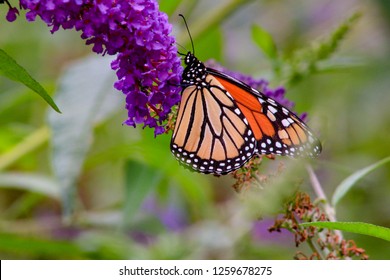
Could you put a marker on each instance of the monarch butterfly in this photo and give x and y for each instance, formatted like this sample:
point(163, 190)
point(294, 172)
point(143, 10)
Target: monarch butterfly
point(222, 123)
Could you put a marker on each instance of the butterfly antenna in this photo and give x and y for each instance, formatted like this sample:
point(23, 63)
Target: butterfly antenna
point(189, 34)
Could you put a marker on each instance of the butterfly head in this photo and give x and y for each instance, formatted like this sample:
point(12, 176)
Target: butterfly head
point(190, 58)
point(195, 71)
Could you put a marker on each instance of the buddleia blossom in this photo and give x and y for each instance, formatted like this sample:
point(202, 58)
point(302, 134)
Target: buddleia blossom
point(146, 64)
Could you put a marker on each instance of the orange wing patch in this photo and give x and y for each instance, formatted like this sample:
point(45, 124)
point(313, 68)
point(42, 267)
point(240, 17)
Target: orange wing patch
point(241, 96)
point(252, 109)
point(264, 123)
point(252, 121)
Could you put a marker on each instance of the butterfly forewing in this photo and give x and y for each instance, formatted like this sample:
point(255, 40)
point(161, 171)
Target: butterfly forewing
point(276, 129)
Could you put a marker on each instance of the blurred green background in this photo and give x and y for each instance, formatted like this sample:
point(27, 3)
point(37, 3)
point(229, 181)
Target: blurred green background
point(80, 185)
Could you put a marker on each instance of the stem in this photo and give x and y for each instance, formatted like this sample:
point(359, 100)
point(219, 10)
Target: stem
point(314, 248)
point(6, 1)
point(329, 210)
point(309, 241)
point(30, 143)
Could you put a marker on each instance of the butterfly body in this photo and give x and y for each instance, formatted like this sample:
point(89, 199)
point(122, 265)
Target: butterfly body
point(222, 123)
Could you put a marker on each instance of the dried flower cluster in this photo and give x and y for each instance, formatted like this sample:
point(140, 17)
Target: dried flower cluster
point(249, 174)
point(325, 244)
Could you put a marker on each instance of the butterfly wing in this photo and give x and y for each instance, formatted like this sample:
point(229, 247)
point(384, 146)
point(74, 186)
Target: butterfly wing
point(222, 123)
point(211, 134)
point(277, 130)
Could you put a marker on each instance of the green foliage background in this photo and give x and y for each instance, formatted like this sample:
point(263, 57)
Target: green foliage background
point(79, 185)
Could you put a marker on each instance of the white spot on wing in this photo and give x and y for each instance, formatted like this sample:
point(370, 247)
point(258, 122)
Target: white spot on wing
point(272, 109)
point(271, 101)
point(285, 123)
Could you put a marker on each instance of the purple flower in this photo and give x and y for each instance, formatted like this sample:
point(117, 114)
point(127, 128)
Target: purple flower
point(147, 65)
point(171, 215)
point(11, 14)
point(12, 11)
point(260, 233)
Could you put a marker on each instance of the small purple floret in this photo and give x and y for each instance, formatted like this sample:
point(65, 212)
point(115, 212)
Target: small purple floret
point(12, 14)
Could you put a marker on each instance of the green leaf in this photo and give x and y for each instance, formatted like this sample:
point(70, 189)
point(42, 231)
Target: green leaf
point(12, 70)
point(264, 41)
point(28, 144)
point(37, 248)
point(354, 227)
point(30, 182)
point(140, 180)
point(350, 181)
point(327, 47)
point(211, 44)
point(86, 95)
point(169, 6)
point(305, 61)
